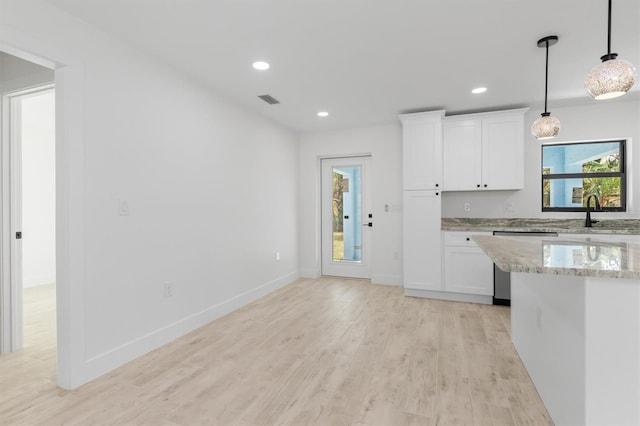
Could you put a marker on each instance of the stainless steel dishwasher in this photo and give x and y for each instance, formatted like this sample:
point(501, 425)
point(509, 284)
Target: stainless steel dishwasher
point(502, 279)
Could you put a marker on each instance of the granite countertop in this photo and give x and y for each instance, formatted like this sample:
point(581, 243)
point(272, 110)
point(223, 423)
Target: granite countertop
point(568, 226)
point(562, 256)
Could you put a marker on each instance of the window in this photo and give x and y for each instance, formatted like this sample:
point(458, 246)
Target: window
point(573, 171)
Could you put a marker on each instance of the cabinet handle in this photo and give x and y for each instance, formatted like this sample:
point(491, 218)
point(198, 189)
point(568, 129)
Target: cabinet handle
point(437, 193)
point(468, 239)
point(478, 185)
point(437, 185)
point(485, 185)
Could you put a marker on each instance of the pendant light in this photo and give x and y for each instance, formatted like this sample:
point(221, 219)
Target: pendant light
point(546, 127)
point(613, 77)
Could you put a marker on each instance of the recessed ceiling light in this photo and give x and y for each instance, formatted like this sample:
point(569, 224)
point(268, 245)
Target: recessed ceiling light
point(479, 90)
point(323, 114)
point(261, 65)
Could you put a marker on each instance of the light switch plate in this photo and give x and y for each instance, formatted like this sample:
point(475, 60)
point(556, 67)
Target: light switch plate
point(123, 207)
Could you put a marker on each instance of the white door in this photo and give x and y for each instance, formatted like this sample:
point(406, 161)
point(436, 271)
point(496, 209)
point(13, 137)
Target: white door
point(347, 220)
point(27, 116)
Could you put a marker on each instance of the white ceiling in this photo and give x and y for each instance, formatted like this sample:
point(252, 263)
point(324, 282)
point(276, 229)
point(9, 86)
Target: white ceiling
point(365, 61)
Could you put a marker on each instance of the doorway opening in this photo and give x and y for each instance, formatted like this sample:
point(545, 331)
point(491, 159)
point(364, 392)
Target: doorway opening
point(346, 217)
point(26, 62)
point(28, 301)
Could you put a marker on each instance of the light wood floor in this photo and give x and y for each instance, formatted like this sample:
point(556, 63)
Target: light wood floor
point(327, 351)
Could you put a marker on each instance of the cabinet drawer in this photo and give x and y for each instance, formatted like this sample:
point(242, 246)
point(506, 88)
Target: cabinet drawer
point(461, 239)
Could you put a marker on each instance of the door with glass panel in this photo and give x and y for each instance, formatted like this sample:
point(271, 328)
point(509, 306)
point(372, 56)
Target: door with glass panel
point(347, 221)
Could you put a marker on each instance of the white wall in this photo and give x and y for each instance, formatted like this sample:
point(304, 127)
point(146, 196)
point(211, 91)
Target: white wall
point(38, 189)
point(618, 118)
point(16, 74)
point(384, 144)
point(211, 187)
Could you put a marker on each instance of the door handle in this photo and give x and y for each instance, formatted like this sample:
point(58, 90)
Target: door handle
point(19, 235)
point(369, 224)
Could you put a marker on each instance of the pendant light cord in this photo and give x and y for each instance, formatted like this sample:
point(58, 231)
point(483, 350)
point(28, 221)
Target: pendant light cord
point(609, 55)
point(546, 78)
point(545, 43)
point(609, 31)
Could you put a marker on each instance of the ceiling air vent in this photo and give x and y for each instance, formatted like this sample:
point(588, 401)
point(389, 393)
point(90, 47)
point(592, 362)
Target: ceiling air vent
point(269, 99)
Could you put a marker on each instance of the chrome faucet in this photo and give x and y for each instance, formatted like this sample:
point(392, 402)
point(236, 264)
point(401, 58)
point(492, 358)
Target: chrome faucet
point(588, 222)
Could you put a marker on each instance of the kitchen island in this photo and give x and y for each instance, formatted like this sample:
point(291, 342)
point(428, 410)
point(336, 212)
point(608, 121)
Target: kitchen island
point(575, 322)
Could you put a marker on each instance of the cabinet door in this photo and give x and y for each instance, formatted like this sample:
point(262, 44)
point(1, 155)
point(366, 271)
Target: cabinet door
point(503, 152)
point(422, 154)
point(462, 155)
point(468, 270)
point(422, 240)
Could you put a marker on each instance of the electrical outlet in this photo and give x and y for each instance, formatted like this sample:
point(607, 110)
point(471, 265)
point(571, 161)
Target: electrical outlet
point(278, 256)
point(396, 255)
point(467, 207)
point(168, 289)
point(508, 206)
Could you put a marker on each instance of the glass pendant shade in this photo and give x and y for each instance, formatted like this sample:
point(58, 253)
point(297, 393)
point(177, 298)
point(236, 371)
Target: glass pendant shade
point(610, 79)
point(545, 127)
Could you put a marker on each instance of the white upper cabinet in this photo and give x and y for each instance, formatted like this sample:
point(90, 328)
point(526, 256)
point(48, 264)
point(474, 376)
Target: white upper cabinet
point(462, 152)
point(484, 151)
point(422, 150)
point(503, 151)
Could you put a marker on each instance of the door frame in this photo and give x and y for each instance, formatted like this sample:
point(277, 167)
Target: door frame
point(72, 366)
point(364, 269)
point(11, 301)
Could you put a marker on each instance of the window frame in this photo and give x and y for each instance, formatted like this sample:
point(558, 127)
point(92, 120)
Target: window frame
point(622, 174)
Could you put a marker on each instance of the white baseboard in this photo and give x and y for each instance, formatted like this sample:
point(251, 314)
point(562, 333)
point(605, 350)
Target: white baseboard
point(114, 358)
point(386, 279)
point(444, 295)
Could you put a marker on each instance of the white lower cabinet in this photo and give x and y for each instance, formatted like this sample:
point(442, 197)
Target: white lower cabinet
point(592, 237)
point(422, 240)
point(626, 238)
point(467, 269)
